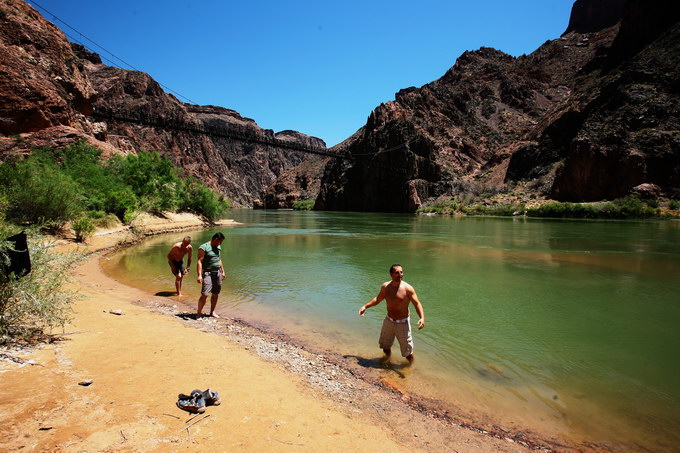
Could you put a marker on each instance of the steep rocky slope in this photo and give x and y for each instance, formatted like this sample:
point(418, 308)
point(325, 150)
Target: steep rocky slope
point(620, 127)
point(42, 83)
point(53, 93)
point(587, 116)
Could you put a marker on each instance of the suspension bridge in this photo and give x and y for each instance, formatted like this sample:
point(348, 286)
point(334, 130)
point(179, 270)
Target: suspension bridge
point(249, 135)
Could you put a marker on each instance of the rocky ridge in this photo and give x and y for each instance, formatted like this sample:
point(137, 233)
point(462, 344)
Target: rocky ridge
point(587, 116)
point(52, 90)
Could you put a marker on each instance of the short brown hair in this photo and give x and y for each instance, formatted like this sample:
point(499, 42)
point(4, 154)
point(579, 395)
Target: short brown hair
point(393, 266)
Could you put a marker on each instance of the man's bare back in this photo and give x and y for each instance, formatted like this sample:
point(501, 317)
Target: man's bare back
point(175, 259)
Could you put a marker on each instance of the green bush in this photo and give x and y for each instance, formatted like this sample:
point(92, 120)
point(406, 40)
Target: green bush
point(563, 210)
point(39, 193)
point(122, 203)
point(56, 186)
point(203, 201)
point(107, 221)
point(33, 305)
point(508, 209)
point(83, 227)
point(630, 207)
point(450, 206)
point(304, 205)
point(152, 178)
point(674, 204)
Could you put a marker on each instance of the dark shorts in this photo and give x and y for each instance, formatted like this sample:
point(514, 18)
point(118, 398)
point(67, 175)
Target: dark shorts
point(212, 283)
point(179, 267)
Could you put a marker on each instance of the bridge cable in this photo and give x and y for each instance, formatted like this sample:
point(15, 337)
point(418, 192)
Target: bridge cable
point(104, 49)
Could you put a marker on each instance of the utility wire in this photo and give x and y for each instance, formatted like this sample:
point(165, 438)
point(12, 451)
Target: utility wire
point(394, 148)
point(103, 48)
point(113, 63)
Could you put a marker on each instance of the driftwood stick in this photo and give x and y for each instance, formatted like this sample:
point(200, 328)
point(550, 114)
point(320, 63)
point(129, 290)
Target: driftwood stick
point(170, 415)
point(197, 421)
point(123, 434)
point(289, 443)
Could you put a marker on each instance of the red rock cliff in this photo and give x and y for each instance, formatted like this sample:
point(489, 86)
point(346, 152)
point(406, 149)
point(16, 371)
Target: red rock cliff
point(51, 92)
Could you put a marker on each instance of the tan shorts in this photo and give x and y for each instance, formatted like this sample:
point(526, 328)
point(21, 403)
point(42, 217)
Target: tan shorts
point(401, 330)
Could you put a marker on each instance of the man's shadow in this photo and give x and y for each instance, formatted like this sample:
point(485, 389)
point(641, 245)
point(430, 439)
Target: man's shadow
point(379, 363)
point(191, 316)
point(165, 293)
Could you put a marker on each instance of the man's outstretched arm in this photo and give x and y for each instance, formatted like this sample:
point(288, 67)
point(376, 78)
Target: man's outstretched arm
point(373, 302)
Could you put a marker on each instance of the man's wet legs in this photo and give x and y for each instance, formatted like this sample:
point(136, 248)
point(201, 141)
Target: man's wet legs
point(178, 284)
point(201, 304)
point(213, 305)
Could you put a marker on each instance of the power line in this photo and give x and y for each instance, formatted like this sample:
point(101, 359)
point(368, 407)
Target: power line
point(230, 135)
point(103, 48)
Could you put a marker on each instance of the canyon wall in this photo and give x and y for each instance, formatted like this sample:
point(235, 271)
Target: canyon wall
point(54, 93)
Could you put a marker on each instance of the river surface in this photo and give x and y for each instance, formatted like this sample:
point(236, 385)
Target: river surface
point(565, 329)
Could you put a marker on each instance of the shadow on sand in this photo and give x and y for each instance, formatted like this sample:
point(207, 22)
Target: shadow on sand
point(165, 293)
point(380, 363)
point(191, 316)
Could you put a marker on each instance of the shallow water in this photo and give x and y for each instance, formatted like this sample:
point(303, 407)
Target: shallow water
point(565, 328)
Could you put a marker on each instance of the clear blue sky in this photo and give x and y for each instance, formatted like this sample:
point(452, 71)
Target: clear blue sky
point(318, 67)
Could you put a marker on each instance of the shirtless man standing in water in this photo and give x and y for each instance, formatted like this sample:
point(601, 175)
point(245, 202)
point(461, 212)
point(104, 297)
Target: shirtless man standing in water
point(398, 294)
point(176, 261)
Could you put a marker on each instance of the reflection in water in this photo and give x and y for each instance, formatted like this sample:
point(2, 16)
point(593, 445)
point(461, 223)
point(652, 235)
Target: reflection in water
point(544, 324)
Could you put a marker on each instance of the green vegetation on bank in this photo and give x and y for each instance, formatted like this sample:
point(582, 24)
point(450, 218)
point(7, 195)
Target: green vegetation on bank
point(51, 187)
point(630, 207)
point(303, 205)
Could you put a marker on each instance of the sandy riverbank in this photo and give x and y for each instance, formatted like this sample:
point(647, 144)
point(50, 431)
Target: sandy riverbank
point(276, 396)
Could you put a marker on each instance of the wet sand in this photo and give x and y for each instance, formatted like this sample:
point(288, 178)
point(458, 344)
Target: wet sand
point(276, 396)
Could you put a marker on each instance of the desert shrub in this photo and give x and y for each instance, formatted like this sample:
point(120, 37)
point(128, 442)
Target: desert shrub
point(122, 203)
point(152, 178)
point(39, 193)
point(304, 205)
point(55, 186)
point(630, 207)
point(107, 220)
point(653, 203)
point(563, 210)
point(35, 304)
point(83, 227)
point(442, 206)
point(674, 204)
point(508, 209)
point(202, 201)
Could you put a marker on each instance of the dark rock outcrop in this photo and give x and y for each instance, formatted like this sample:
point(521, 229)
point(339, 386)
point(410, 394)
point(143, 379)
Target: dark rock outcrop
point(42, 83)
point(587, 116)
point(623, 117)
point(54, 92)
point(589, 16)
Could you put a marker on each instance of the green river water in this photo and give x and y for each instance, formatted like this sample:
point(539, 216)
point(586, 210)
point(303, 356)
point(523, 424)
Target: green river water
point(565, 329)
